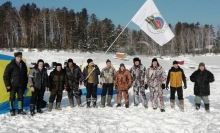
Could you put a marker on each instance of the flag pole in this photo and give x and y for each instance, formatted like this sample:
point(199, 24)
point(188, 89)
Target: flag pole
point(109, 48)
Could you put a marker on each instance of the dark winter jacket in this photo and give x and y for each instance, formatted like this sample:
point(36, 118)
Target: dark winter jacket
point(58, 79)
point(15, 76)
point(38, 79)
point(202, 80)
point(176, 77)
point(74, 77)
point(95, 73)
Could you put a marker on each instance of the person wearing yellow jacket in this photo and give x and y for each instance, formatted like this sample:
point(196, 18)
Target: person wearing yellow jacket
point(176, 76)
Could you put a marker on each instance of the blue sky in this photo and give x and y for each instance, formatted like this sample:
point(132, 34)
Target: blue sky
point(121, 11)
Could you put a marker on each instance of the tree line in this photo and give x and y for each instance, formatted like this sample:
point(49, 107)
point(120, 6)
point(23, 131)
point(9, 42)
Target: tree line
point(60, 28)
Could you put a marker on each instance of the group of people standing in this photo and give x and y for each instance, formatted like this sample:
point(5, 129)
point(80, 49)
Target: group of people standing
point(138, 77)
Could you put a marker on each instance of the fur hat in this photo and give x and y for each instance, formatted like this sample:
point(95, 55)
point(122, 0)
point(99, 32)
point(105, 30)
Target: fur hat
point(122, 65)
point(201, 64)
point(89, 60)
point(108, 61)
point(154, 59)
point(70, 60)
point(17, 54)
point(136, 59)
point(59, 64)
point(175, 62)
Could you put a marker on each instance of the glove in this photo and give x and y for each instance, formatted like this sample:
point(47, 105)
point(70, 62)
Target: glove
point(146, 86)
point(163, 86)
point(116, 88)
point(80, 83)
point(184, 87)
point(167, 88)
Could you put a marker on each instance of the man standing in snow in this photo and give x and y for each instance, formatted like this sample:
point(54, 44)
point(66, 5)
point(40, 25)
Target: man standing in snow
point(155, 80)
point(175, 77)
point(58, 80)
point(202, 77)
point(123, 82)
point(91, 81)
point(15, 78)
point(38, 81)
point(138, 72)
point(107, 77)
point(74, 75)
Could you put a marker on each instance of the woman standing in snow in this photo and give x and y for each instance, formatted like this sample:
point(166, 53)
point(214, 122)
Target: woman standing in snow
point(202, 77)
point(38, 81)
point(155, 80)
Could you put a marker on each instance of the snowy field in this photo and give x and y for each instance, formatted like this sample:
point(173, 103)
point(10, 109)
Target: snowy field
point(122, 120)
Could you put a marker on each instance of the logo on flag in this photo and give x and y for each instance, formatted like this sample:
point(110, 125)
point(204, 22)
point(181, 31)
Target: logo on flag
point(156, 24)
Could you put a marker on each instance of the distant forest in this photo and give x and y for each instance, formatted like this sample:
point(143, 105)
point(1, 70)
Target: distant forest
point(60, 28)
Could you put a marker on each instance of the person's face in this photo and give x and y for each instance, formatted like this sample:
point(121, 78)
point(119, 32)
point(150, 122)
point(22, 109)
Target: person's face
point(154, 64)
point(18, 58)
point(70, 64)
point(136, 63)
point(175, 66)
point(91, 63)
point(108, 64)
point(201, 68)
point(58, 68)
point(122, 68)
point(40, 64)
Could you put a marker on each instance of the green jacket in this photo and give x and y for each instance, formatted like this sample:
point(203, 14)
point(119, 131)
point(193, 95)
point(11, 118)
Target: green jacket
point(58, 80)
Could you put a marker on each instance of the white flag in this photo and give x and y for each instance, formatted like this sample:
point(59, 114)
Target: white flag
point(149, 19)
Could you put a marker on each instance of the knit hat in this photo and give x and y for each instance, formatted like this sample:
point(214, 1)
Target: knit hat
point(175, 62)
point(108, 61)
point(89, 60)
point(122, 65)
point(202, 64)
point(136, 59)
point(154, 59)
point(17, 54)
point(70, 60)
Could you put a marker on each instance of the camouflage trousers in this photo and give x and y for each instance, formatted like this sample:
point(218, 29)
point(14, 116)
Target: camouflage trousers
point(126, 96)
point(139, 91)
point(155, 94)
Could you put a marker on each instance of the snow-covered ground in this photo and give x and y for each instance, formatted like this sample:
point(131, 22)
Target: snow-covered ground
point(122, 120)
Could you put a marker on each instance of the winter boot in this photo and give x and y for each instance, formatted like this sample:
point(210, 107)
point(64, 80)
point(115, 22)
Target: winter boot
point(32, 109)
point(12, 109)
point(198, 106)
point(20, 108)
point(79, 103)
point(172, 103)
point(94, 102)
point(39, 110)
point(162, 110)
point(207, 108)
point(181, 105)
point(126, 105)
point(58, 106)
point(50, 107)
point(119, 105)
point(71, 100)
point(88, 102)
point(102, 102)
point(109, 100)
point(136, 100)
